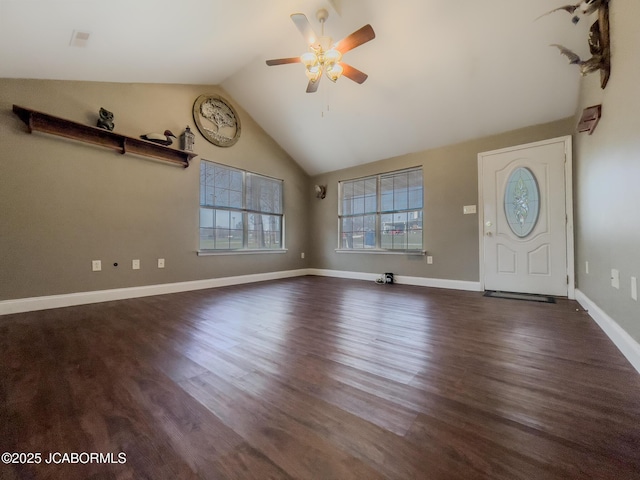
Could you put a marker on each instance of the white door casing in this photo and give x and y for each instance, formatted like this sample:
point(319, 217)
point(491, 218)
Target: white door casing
point(535, 253)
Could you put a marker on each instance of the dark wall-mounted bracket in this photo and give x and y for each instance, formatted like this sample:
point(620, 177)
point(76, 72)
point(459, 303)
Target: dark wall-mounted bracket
point(589, 119)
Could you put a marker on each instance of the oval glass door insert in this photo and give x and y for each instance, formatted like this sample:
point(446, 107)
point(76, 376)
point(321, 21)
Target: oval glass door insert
point(522, 201)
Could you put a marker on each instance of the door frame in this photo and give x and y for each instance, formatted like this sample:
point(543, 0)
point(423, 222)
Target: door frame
point(568, 179)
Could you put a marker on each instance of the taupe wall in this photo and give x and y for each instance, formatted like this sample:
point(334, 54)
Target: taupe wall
point(65, 203)
point(451, 182)
point(607, 177)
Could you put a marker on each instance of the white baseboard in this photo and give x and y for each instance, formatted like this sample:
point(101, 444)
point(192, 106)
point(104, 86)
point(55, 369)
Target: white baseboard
point(21, 305)
point(625, 343)
point(31, 304)
point(439, 283)
point(321, 272)
point(400, 279)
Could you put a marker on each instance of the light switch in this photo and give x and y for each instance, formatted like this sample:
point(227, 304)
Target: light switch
point(615, 278)
point(469, 209)
point(634, 288)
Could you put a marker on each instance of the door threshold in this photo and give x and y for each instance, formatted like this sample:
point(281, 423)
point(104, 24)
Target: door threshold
point(530, 297)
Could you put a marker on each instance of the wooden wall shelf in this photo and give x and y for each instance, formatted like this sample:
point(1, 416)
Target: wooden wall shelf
point(43, 122)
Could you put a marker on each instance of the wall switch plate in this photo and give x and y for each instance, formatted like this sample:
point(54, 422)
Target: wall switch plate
point(302, 255)
point(634, 288)
point(586, 267)
point(429, 259)
point(96, 265)
point(135, 264)
point(161, 263)
point(469, 209)
point(615, 278)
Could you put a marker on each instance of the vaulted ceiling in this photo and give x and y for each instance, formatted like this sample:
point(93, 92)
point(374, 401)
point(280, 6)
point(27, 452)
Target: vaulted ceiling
point(440, 71)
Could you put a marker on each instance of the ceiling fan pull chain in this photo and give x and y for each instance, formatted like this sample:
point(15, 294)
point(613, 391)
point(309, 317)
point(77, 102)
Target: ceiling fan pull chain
point(326, 99)
point(325, 105)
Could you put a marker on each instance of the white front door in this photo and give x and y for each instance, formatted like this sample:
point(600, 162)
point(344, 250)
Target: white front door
point(524, 218)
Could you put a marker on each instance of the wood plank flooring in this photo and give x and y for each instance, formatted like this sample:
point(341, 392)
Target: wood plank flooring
point(318, 378)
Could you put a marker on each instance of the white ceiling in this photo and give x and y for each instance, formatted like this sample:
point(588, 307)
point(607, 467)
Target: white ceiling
point(440, 71)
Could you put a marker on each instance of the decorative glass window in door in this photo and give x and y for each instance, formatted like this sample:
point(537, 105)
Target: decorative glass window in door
point(522, 201)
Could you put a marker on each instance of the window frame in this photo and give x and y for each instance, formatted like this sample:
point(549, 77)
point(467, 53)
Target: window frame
point(244, 211)
point(379, 213)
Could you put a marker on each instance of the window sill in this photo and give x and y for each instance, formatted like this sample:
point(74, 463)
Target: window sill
point(379, 251)
point(207, 253)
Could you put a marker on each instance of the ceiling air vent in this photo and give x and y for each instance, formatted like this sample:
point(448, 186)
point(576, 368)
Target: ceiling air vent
point(79, 39)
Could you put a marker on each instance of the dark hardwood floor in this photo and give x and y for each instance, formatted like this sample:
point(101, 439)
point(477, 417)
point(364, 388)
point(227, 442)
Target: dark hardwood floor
point(318, 378)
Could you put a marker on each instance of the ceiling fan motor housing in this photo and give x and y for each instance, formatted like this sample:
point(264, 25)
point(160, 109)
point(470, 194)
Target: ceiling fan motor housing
point(322, 15)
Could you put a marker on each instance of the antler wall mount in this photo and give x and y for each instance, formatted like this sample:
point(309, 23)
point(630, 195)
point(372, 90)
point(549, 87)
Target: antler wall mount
point(325, 56)
point(598, 38)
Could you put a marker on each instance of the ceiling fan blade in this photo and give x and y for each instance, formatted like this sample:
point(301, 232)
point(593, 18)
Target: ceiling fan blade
point(353, 73)
point(283, 61)
point(312, 87)
point(305, 28)
point(357, 38)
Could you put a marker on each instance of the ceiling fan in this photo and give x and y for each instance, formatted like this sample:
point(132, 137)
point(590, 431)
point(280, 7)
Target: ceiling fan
point(323, 56)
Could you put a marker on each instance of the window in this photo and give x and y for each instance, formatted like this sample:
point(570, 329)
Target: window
point(383, 212)
point(239, 210)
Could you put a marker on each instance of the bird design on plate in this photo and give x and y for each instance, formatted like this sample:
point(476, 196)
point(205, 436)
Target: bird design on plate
point(160, 138)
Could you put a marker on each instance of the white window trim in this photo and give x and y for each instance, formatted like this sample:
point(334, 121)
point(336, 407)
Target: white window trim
point(380, 251)
point(207, 253)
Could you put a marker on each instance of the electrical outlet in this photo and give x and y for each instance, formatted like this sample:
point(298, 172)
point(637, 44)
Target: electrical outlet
point(135, 264)
point(615, 278)
point(161, 263)
point(469, 209)
point(634, 288)
point(96, 265)
point(429, 259)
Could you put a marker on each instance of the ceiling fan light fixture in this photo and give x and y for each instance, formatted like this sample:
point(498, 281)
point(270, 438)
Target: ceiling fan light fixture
point(309, 59)
point(334, 71)
point(332, 56)
point(313, 72)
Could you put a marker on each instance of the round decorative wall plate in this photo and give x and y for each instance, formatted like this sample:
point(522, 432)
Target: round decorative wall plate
point(216, 120)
